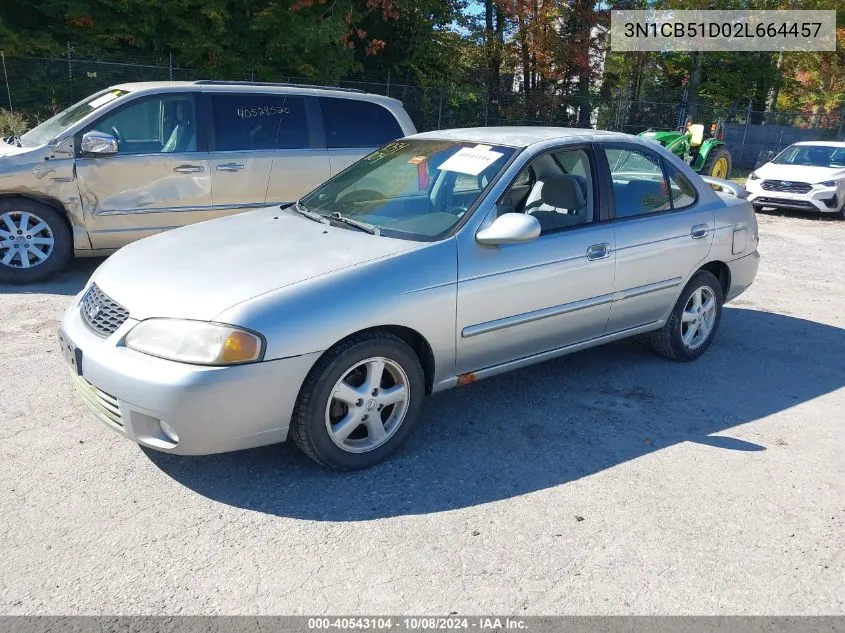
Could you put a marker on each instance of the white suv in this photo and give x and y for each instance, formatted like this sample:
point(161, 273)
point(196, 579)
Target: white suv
point(137, 159)
point(808, 175)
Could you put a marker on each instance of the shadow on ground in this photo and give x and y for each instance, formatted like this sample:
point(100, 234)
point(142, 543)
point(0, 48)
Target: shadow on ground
point(802, 214)
point(545, 425)
point(68, 282)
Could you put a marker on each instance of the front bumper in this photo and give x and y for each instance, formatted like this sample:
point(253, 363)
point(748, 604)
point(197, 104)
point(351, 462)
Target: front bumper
point(209, 409)
point(821, 199)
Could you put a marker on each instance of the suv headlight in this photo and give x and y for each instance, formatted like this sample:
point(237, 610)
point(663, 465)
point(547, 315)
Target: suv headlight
point(753, 176)
point(196, 342)
point(829, 183)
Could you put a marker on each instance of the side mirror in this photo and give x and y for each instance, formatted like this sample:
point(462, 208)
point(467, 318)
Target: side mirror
point(98, 143)
point(510, 228)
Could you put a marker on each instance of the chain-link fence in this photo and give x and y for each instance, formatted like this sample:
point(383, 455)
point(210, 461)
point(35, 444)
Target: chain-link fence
point(40, 87)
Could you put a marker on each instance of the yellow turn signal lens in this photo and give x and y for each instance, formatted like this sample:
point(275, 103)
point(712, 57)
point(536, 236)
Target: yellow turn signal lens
point(240, 347)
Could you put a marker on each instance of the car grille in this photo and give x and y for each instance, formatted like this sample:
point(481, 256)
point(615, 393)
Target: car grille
point(787, 186)
point(103, 405)
point(102, 315)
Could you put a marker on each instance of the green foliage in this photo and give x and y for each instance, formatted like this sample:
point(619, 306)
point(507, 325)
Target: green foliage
point(12, 123)
point(450, 44)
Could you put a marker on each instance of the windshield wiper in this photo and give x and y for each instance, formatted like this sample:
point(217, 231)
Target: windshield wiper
point(369, 228)
point(298, 208)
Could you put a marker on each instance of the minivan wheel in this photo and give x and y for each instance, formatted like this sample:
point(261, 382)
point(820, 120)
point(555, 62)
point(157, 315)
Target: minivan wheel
point(359, 401)
point(691, 326)
point(35, 241)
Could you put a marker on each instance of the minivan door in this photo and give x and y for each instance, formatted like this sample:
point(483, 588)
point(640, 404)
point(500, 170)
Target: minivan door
point(158, 180)
point(300, 161)
point(247, 168)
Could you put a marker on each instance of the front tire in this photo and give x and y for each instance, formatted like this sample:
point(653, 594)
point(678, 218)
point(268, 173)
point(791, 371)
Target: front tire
point(693, 322)
point(35, 241)
point(359, 402)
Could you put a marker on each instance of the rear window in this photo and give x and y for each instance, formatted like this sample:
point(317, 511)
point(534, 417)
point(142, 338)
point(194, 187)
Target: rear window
point(259, 122)
point(354, 123)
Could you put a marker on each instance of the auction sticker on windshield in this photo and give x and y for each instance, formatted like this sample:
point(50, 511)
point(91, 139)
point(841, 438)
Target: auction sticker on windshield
point(471, 160)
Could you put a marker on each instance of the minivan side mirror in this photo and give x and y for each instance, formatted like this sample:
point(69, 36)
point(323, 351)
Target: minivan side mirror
point(98, 143)
point(510, 228)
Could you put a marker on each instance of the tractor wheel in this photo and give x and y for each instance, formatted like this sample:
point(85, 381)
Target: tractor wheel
point(717, 164)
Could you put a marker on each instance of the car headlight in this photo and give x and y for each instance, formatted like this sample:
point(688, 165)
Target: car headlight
point(828, 183)
point(196, 342)
point(753, 176)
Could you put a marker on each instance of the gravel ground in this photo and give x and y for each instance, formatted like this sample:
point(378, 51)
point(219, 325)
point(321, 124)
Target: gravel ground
point(609, 482)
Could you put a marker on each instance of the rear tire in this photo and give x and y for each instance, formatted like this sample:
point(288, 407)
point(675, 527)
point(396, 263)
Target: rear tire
point(35, 241)
point(693, 322)
point(714, 157)
point(359, 402)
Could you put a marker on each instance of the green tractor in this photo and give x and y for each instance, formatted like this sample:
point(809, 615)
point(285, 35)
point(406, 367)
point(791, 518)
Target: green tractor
point(709, 157)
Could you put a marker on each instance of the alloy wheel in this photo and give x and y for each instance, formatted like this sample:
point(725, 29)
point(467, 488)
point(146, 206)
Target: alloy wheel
point(698, 317)
point(367, 405)
point(25, 239)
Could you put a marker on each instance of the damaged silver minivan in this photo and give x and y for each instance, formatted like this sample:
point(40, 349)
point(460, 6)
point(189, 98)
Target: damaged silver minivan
point(138, 159)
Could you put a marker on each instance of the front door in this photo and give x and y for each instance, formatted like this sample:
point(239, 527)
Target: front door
point(662, 235)
point(517, 300)
point(158, 180)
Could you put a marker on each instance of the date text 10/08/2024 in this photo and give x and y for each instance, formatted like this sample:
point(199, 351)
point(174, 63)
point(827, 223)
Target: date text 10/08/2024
point(425, 623)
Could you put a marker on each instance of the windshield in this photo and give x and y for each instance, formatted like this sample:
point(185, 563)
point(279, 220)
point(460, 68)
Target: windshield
point(52, 127)
point(812, 155)
point(412, 189)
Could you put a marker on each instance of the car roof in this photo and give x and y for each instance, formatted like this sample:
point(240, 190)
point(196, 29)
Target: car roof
point(822, 143)
point(256, 87)
point(521, 136)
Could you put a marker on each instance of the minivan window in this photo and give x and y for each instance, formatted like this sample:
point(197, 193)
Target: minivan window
point(356, 123)
point(52, 127)
point(259, 122)
point(164, 124)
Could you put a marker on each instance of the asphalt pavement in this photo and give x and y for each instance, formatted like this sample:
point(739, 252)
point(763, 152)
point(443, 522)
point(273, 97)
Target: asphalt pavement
point(611, 481)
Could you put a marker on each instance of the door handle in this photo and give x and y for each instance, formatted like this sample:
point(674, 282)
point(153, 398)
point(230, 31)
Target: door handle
point(229, 167)
point(598, 251)
point(699, 231)
point(188, 169)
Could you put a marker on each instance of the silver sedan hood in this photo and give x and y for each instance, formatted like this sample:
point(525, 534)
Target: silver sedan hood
point(199, 271)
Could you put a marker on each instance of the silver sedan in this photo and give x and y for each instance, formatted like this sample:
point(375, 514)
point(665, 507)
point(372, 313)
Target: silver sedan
point(440, 259)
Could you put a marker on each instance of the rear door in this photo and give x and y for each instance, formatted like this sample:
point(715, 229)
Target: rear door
point(661, 232)
point(243, 136)
point(354, 128)
point(158, 180)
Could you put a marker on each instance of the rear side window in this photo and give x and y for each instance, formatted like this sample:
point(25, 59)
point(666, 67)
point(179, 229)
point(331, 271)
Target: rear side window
point(681, 189)
point(259, 122)
point(354, 123)
point(639, 185)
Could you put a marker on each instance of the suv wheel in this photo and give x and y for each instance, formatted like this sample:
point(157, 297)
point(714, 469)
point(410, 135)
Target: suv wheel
point(35, 241)
point(359, 402)
point(691, 326)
